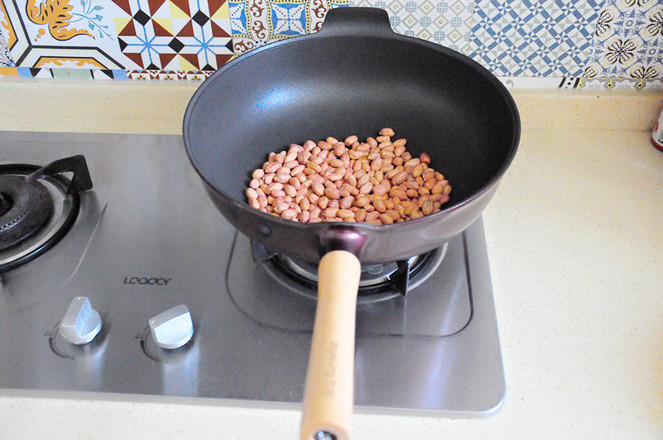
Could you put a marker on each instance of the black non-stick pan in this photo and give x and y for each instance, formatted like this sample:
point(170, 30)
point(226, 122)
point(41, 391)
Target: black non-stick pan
point(353, 77)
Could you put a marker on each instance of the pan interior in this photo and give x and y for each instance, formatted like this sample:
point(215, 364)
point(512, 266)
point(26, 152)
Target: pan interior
point(311, 88)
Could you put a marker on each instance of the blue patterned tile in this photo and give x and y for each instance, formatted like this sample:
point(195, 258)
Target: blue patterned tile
point(288, 18)
point(534, 38)
point(628, 41)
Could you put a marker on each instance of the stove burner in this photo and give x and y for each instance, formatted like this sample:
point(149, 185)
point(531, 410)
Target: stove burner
point(378, 281)
point(26, 207)
point(38, 206)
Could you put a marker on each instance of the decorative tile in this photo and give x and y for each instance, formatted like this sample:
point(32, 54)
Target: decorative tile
point(184, 35)
point(448, 23)
point(45, 31)
point(534, 38)
point(169, 75)
point(628, 42)
point(6, 58)
point(257, 22)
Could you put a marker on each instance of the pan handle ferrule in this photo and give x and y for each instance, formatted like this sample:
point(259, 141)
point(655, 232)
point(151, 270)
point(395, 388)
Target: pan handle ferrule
point(340, 238)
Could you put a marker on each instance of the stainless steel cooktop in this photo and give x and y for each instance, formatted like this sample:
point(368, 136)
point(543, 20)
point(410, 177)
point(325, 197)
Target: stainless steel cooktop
point(147, 239)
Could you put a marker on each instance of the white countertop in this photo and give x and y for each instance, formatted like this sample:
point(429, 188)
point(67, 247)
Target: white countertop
point(575, 240)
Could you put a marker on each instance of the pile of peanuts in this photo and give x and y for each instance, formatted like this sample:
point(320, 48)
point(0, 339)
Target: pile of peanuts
point(376, 182)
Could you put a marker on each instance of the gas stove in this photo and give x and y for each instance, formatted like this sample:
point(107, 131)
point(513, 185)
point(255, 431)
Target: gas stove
point(148, 290)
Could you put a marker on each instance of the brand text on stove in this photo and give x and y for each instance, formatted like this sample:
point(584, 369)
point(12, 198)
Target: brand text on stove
point(149, 281)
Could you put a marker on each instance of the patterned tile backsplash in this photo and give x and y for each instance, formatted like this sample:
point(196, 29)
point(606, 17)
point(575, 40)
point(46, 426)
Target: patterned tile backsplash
point(526, 43)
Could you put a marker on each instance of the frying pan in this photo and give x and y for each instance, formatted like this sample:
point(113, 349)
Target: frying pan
point(353, 77)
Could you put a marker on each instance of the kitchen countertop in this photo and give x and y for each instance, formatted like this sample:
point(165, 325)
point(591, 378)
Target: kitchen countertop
point(575, 243)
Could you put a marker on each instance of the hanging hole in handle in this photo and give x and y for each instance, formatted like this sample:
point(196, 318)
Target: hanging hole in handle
point(324, 435)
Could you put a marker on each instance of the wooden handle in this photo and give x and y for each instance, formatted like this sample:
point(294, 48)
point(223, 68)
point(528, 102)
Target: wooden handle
point(329, 392)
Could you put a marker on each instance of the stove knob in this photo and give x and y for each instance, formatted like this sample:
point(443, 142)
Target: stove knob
point(173, 328)
point(81, 323)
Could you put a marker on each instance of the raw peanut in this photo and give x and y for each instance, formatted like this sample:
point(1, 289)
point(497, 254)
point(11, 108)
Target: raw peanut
point(351, 140)
point(430, 183)
point(360, 215)
point(272, 167)
point(318, 188)
point(372, 216)
point(332, 192)
point(258, 173)
point(303, 156)
point(399, 177)
point(282, 177)
point(437, 188)
point(253, 201)
point(399, 143)
point(366, 188)
point(336, 176)
point(418, 170)
point(409, 208)
point(380, 189)
point(393, 214)
point(323, 202)
point(412, 162)
point(304, 216)
point(345, 214)
point(387, 132)
point(346, 202)
point(427, 207)
point(297, 169)
point(289, 214)
point(305, 204)
point(371, 142)
point(380, 205)
point(254, 183)
point(330, 212)
point(398, 193)
point(447, 190)
point(376, 164)
point(362, 201)
point(425, 158)
point(336, 163)
point(281, 206)
point(290, 190)
point(386, 219)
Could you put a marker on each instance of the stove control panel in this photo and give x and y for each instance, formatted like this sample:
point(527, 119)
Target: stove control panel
point(173, 328)
point(81, 323)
